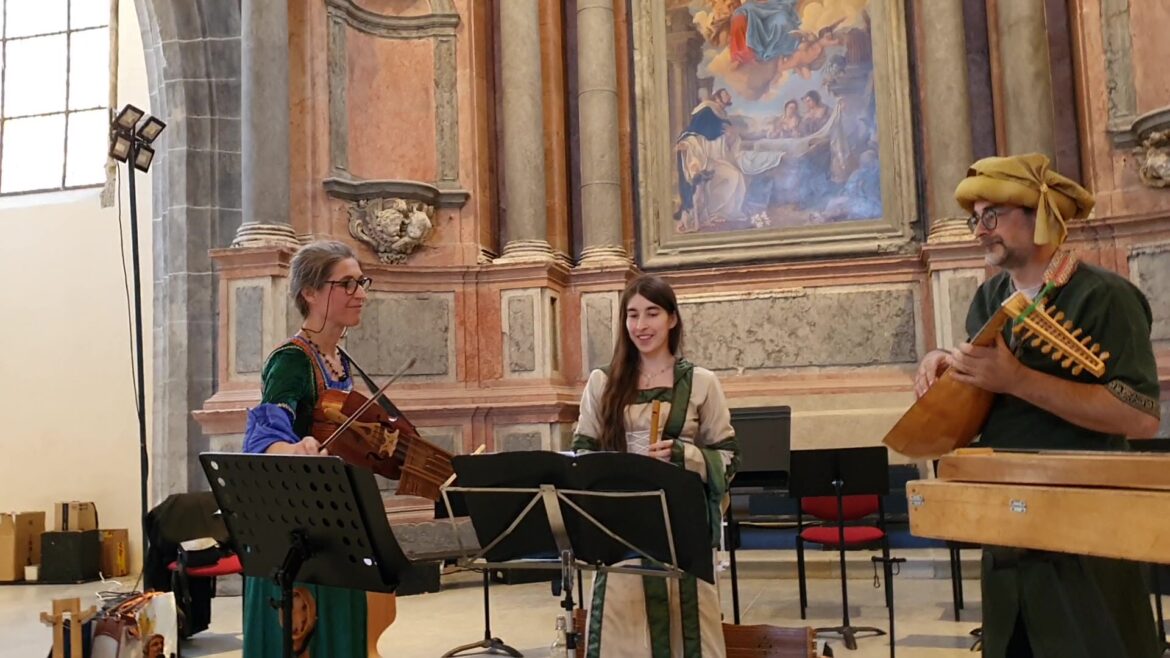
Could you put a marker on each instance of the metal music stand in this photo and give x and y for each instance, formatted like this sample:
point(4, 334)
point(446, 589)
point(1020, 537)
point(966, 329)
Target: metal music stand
point(305, 519)
point(453, 507)
point(837, 473)
point(546, 510)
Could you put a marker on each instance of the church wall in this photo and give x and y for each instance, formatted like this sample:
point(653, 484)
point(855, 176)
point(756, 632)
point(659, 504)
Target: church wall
point(71, 428)
point(503, 346)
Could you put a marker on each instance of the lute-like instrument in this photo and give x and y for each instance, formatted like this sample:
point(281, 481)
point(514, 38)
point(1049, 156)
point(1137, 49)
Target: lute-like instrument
point(951, 413)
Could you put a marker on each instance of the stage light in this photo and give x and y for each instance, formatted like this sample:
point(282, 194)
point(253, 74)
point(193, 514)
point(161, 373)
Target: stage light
point(130, 143)
point(150, 129)
point(143, 158)
point(119, 146)
point(128, 118)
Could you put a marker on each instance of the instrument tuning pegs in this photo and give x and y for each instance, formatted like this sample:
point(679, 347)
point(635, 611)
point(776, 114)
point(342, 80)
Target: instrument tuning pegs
point(1077, 369)
point(1067, 324)
point(1036, 343)
point(1060, 316)
point(1104, 355)
point(1067, 363)
point(1076, 332)
point(1058, 355)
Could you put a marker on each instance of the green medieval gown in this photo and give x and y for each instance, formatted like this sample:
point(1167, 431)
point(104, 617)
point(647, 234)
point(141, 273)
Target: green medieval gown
point(636, 616)
point(292, 378)
point(1045, 604)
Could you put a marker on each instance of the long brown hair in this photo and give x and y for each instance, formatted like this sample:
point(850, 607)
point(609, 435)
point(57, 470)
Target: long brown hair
point(621, 389)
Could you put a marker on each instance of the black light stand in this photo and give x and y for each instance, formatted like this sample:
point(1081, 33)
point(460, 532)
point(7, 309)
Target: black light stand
point(131, 133)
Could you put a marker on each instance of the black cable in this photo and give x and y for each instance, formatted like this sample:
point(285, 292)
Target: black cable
point(126, 286)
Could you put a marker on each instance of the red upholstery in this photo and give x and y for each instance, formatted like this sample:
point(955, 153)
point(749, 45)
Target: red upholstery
point(825, 507)
point(225, 567)
point(854, 535)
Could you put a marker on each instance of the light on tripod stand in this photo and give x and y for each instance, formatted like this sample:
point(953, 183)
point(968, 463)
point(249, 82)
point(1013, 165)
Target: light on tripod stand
point(131, 133)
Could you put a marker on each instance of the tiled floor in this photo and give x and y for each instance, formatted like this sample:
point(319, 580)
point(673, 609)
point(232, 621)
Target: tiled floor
point(523, 615)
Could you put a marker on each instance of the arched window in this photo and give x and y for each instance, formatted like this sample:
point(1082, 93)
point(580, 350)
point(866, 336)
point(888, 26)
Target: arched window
point(54, 94)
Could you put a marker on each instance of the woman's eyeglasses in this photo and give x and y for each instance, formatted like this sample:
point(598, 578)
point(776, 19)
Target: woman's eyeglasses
point(351, 285)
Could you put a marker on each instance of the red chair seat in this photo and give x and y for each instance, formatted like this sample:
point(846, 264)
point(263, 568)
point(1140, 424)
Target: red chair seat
point(831, 535)
point(225, 567)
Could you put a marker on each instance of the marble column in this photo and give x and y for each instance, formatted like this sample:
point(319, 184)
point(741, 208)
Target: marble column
point(265, 125)
point(523, 118)
point(597, 102)
point(946, 105)
point(1026, 77)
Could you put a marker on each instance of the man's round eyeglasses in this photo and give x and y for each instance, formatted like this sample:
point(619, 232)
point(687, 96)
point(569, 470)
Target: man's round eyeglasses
point(351, 285)
point(989, 219)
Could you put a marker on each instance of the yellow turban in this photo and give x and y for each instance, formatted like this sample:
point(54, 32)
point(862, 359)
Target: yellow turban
point(1026, 181)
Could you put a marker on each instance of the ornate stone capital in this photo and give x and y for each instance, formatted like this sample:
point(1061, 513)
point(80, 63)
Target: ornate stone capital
point(394, 227)
point(1154, 159)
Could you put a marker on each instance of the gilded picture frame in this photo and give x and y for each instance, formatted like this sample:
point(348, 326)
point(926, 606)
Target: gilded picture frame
point(664, 243)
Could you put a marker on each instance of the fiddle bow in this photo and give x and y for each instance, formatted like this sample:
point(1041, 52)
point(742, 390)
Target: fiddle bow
point(380, 438)
point(376, 397)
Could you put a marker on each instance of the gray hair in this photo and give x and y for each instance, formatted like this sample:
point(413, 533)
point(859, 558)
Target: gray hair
point(310, 268)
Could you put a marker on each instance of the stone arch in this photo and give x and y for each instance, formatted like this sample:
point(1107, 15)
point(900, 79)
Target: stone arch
point(193, 71)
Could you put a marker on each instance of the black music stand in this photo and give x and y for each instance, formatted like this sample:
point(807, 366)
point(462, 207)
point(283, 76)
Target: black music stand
point(546, 510)
point(843, 472)
point(452, 507)
point(305, 519)
point(764, 438)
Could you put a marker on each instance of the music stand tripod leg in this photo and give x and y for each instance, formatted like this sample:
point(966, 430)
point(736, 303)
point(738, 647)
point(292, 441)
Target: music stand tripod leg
point(492, 645)
point(847, 631)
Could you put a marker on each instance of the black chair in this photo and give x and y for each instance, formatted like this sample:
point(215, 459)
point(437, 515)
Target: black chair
point(841, 486)
point(764, 435)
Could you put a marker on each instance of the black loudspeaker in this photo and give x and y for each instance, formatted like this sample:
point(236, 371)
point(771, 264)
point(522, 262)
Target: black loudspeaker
point(70, 557)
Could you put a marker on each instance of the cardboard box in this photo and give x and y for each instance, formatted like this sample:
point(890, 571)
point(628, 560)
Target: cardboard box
point(20, 543)
point(115, 552)
point(75, 516)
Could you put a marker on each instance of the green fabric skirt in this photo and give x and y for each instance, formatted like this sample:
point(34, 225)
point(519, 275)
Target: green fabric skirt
point(1071, 606)
point(341, 621)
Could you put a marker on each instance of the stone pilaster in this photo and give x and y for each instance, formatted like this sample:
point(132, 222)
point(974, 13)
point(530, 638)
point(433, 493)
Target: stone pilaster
point(1026, 72)
point(597, 100)
point(946, 104)
point(265, 126)
point(523, 117)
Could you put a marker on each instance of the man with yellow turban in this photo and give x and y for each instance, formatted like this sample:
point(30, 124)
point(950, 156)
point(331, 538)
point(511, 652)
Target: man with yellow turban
point(1038, 603)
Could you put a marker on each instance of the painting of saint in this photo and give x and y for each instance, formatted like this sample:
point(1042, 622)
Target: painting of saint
point(773, 114)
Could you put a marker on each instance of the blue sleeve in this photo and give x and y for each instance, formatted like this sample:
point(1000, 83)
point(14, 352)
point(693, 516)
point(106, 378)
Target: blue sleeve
point(267, 424)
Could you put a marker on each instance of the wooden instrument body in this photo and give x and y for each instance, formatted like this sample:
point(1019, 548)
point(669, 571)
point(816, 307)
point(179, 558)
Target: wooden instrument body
point(387, 445)
point(765, 641)
point(1113, 505)
point(754, 641)
point(951, 413)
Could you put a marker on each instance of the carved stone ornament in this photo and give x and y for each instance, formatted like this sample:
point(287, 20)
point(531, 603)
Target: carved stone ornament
point(393, 227)
point(1154, 159)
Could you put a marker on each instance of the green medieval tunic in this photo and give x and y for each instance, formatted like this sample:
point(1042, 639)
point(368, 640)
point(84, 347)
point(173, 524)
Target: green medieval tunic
point(1050, 605)
point(293, 377)
point(639, 616)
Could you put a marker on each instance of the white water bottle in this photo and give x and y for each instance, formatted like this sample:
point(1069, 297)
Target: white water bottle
point(560, 644)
